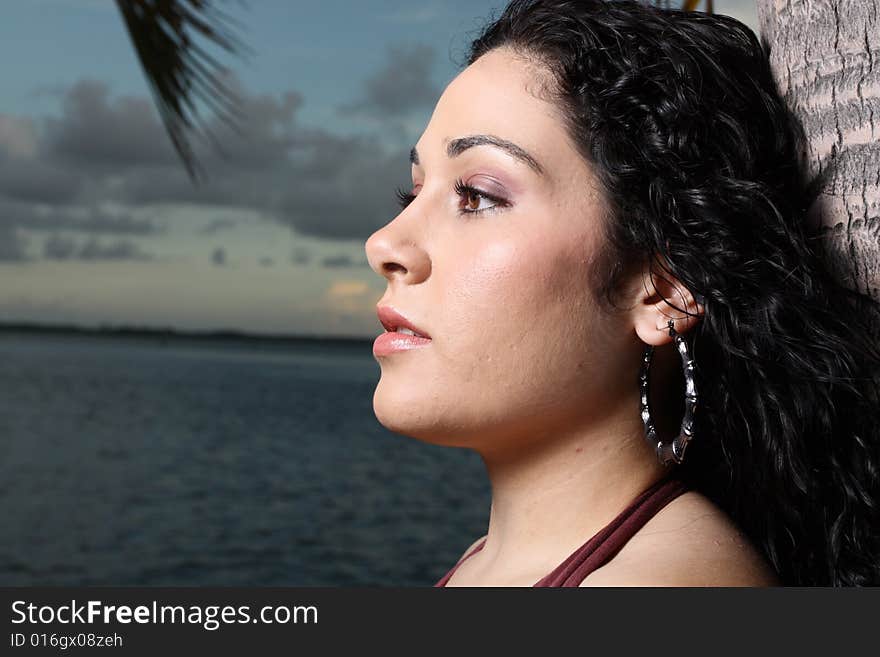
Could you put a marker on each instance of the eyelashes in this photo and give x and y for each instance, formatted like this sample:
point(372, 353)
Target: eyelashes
point(404, 198)
point(465, 193)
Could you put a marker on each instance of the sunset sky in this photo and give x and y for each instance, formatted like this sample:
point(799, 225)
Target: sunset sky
point(99, 223)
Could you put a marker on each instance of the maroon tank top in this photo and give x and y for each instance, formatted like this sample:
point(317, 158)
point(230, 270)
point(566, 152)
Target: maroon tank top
point(608, 541)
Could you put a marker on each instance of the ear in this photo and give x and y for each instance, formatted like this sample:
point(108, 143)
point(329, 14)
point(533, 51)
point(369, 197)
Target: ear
point(660, 296)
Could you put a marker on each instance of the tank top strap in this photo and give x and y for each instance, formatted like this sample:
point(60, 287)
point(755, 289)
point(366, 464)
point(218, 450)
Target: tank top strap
point(600, 548)
point(610, 539)
point(442, 581)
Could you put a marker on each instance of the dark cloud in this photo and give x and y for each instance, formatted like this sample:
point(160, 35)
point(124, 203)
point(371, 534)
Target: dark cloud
point(345, 190)
point(319, 183)
point(61, 247)
point(218, 256)
point(103, 148)
point(25, 179)
point(402, 85)
point(266, 261)
point(25, 175)
point(98, 132)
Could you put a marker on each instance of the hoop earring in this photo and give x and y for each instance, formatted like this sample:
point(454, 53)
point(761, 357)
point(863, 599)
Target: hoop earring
point(672, 452)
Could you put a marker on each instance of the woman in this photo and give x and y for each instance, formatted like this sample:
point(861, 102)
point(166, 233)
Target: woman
point(607, 197)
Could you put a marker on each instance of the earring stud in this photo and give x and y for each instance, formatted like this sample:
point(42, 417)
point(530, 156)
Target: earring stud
point(672, 452)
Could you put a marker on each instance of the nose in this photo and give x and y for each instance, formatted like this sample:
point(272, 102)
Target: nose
point(395, 251)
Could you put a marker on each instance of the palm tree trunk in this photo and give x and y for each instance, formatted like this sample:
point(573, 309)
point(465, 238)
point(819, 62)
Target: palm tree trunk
point(825, 56)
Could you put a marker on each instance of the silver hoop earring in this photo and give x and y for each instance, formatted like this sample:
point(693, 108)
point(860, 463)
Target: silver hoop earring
point(672, 452)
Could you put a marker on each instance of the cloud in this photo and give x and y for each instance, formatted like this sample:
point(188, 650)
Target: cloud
point(60, 247)
point(94, 220)
point(301, 256)
point(218, 257)
point(103, 223)
point(349, 296)
point(319, 183)
point(34, 180)
point(216, 226)
point(104, 149)
point(402, 85)
point(103, 133)
point(343, 260)
point(340, 289)
point(316, 182)
point(266, 261)
point(19, 218)
point(345, 190)
point(18, 136)
point(13, 247)
point(118, 250)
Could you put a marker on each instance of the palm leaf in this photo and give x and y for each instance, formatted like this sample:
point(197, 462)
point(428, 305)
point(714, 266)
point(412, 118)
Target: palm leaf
point(179, 71)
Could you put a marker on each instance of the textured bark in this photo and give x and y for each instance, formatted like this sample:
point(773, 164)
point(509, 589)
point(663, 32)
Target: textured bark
point(824, 55)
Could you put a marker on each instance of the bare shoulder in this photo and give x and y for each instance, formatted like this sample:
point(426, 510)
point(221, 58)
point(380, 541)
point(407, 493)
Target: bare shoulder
point(689, 542)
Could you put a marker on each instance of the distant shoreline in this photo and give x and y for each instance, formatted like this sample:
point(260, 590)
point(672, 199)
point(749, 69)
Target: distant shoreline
point(124, 331)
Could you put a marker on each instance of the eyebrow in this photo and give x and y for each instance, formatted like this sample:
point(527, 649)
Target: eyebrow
point(456, 147)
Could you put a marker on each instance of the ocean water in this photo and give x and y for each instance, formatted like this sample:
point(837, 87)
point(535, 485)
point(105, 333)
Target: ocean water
point(136, 461)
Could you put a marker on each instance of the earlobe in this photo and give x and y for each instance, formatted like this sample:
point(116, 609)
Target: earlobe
point(656, 332)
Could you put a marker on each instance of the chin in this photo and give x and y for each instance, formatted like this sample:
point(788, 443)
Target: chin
point(412, 412)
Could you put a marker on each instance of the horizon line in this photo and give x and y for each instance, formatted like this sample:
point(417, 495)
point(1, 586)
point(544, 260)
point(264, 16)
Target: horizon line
point(107, 328)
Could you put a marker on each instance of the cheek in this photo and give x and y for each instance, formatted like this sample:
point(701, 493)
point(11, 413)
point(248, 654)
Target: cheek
point(521, 282)
point(485, 280)
point(520, 339)
point(517, 301)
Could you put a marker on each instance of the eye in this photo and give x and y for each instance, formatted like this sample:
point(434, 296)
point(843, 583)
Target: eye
point(473, 197)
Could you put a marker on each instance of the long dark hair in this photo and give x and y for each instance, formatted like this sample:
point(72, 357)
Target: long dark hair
point(703, 166)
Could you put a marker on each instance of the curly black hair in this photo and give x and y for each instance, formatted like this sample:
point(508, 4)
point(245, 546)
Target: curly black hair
point(703, 165)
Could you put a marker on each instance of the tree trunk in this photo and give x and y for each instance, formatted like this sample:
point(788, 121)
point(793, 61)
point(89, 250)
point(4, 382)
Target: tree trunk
point(824, 55)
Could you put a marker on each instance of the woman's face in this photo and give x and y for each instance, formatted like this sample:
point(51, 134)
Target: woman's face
point(519, 349)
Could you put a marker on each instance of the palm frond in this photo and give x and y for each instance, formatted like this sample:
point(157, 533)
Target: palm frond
point(179, 71)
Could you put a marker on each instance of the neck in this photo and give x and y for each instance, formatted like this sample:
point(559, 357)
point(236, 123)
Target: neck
point(549, 497)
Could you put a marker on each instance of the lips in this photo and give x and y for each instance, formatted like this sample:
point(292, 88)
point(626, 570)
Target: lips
point(391, 319)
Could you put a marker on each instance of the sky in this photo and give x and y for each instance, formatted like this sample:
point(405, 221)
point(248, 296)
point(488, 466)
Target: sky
point(100, 224)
